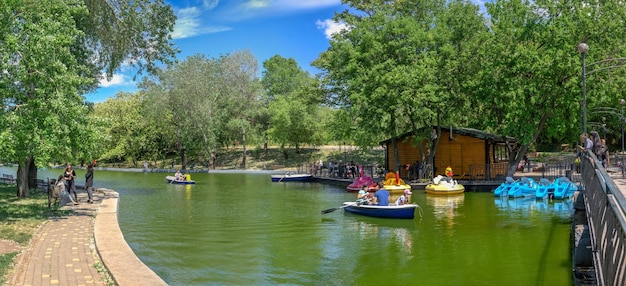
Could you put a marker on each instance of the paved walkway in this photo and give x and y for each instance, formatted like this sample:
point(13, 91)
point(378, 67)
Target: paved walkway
point(82, 249)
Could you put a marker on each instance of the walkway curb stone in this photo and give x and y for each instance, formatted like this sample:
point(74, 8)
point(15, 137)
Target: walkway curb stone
point(117, 256)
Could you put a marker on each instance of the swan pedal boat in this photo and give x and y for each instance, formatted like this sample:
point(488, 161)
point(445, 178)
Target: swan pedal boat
point(391, 211)
point(172, 180)
point(443, 187)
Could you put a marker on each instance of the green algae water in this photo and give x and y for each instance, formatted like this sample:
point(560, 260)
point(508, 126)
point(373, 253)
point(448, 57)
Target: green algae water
point(242, 229)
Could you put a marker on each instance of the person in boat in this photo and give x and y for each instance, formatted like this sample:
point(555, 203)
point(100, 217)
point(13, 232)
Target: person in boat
point(449, 174)
point(178, 176)
point(381, 197)
point(362, 197)
point(187, 177)
point(404, 198)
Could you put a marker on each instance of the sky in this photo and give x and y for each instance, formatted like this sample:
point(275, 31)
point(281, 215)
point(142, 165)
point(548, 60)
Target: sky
point(298, 29)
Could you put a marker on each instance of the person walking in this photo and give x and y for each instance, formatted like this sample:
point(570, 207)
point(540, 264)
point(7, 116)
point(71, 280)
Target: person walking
point(70, 184)
point(89, 183)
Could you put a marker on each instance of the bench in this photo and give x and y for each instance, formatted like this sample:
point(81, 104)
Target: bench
point(9, 179)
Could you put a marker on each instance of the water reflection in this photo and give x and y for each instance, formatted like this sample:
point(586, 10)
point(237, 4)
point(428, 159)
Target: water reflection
point(531, 205)
point(388, 234)
point(445, 207)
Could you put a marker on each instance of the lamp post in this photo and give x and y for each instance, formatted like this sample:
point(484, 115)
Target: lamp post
point(583, 48)
point(622, 119)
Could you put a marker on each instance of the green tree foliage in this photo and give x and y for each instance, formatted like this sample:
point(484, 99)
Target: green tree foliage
point(405, 65)
point(206, 103)
point(530, 77)
point(400, 66)
point(294, 108)
point(130, 134)
point(53, 51)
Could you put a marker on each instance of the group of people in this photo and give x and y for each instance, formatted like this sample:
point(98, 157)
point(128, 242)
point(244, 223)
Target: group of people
point(381, 197)
point(341, 170)
point(65, 186)
point(596, 145)
point(178, 176)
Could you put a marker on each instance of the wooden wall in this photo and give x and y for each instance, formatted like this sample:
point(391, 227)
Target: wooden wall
point(459, 154)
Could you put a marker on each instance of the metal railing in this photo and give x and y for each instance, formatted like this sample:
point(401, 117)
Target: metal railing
point(605, 206)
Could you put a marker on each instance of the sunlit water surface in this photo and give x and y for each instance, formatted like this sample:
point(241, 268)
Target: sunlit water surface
point(242, 229)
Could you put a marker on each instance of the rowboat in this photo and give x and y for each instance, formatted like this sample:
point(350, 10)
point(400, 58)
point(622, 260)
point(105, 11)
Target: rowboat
point(392, 211)
point(172, 180)
point(288, 177)
point(440, 186)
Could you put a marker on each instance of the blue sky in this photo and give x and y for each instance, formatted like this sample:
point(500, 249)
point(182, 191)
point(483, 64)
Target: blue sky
point(296, 29)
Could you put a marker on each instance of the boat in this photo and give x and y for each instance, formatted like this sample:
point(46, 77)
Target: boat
point(442, 186)
point(395, 185)
point(545, 189)
point(391, 211)
point(525, 187)
point(172, 180)
point(361, 181)
point(289, 177)
point(503, 189)
point(563, 188)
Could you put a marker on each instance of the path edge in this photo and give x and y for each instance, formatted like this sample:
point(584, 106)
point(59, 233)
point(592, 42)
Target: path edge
point(123, 265)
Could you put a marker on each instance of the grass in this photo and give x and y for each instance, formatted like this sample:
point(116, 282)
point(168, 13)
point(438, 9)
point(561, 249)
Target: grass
point(273, 158)
point(20, 219)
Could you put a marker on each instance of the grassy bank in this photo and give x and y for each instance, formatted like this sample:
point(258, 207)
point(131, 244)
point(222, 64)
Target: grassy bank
point(274, 158)
point(19, 220)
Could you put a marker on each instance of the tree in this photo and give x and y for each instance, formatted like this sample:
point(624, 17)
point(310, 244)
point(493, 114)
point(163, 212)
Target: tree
point(291, 102)
point(53, 52)
point(527, 85)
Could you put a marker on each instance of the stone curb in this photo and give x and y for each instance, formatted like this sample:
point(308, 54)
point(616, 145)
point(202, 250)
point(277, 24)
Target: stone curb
point(122, 263)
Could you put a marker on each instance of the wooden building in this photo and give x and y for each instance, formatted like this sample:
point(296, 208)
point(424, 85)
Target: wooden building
point(472, 154)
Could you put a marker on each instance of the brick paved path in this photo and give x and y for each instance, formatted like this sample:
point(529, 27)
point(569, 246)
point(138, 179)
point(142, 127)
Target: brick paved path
point(63, 250)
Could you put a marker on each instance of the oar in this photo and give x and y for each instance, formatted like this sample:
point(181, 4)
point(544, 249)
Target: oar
point(334, 209)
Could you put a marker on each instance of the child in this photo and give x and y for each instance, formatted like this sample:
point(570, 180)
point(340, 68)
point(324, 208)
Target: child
point(362, 197)
point(404, 198)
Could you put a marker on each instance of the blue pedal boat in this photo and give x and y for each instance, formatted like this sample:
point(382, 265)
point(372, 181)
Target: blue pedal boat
point(525, 187)
point(392, 211)
point(563, 188)
point(544, 189)
point(503, 189)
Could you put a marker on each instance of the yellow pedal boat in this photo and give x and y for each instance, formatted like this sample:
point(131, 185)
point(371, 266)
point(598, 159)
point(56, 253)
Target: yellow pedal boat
point(440, 186)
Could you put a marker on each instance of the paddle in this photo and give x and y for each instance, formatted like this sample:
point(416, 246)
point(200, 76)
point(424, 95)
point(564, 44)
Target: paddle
point(334, 209)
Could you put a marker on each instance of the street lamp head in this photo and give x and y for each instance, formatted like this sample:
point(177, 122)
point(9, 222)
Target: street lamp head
point(583, 48)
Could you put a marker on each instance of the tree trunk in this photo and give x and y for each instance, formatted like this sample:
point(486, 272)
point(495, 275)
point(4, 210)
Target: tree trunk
point(183, 158)
point(32, 175)
point(244, 155)
point(22, 178)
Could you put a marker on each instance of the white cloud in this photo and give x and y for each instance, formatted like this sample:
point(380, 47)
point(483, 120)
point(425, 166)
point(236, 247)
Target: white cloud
point(189, 24)
point(330, 27)
point(306, 4)
point(117, 79)
point(210, 4)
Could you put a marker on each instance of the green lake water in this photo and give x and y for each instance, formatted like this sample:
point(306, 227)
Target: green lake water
point(242, 229)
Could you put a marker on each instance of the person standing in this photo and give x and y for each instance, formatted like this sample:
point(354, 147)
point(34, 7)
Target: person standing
point(381, 197)
point(61, 189)
point(89, 183)
point(70, 184)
